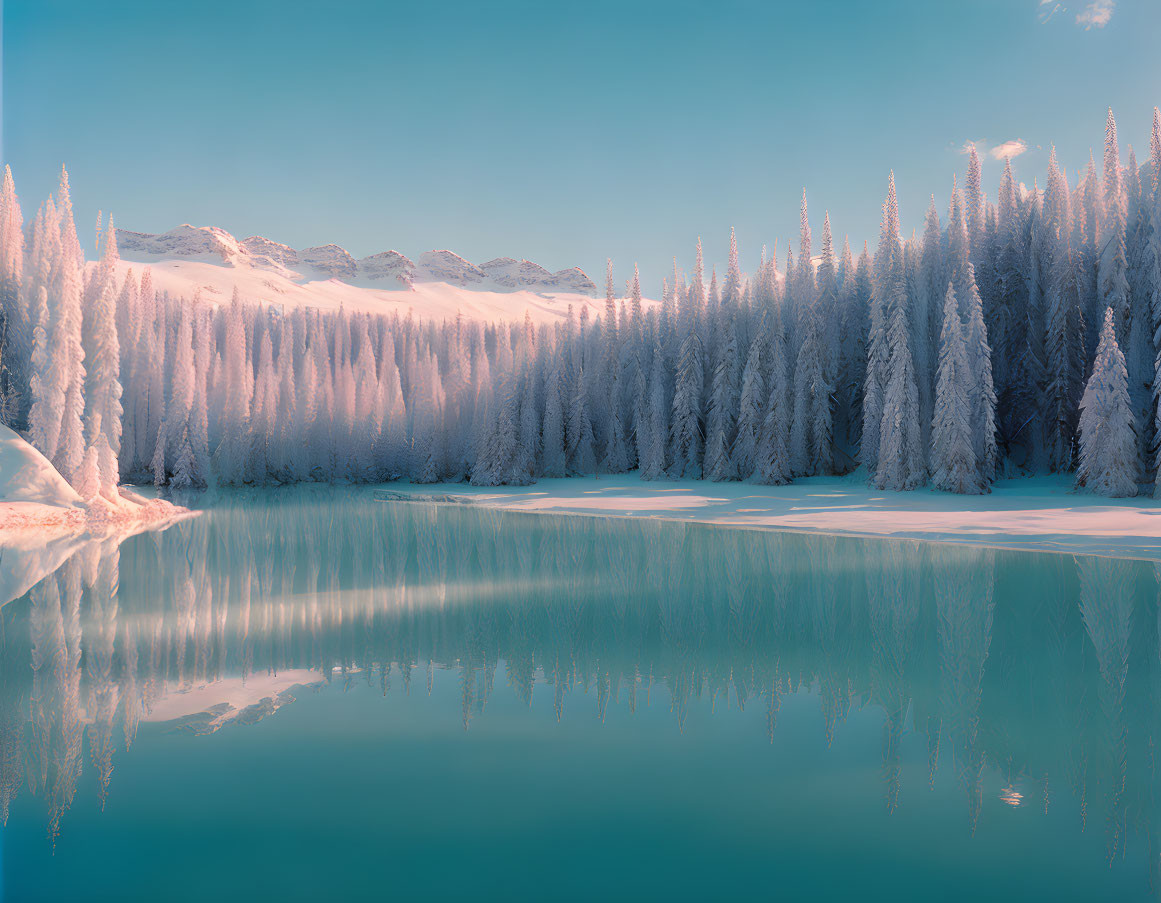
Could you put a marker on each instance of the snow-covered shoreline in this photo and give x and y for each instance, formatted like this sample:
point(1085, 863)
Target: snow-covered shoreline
point(1033, 514)
point(35, 497)
point(43, 520)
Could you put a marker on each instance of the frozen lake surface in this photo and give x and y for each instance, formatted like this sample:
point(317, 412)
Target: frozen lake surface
point(310, 694)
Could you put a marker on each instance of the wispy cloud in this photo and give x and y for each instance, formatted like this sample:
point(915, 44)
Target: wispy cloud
point(1096, 14)
point(1008, 149)
point(1004, 150)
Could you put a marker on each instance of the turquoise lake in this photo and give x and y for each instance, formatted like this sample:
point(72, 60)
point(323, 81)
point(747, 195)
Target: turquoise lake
point(312, 694)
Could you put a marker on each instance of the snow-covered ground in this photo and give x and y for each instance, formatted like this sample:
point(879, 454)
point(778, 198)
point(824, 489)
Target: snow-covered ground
point(1039, 513)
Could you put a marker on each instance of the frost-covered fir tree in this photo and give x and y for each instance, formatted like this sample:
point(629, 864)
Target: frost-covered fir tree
point(616, 458)
point(15, 323)
point(878, 348)
point(953, 457)
point(56, 424)
point(772, 457)
point(931, 282)
point(752, 402)
point(1064, 326)
point(653, 448)
point(1152, 264)
point(579, 432)
point(1112, 284)
point(554, 458)
point(854, 295)
point(810, 432)
point(901, 456)
point(892, 448)
point(1108, 442)
point(723, 400)
point(232, 455)
point(983, 394)
point(1140, 352)
point(103, 408)
point(685, 444)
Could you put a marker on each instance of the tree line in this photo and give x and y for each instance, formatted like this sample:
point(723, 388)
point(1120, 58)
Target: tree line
point(1018, 336)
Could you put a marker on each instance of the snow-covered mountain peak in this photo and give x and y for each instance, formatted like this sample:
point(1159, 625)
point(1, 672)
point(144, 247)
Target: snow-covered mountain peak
point(185, 241)
point(449, 267)
point(388, 265)
point(263, 250)
point(331, 259)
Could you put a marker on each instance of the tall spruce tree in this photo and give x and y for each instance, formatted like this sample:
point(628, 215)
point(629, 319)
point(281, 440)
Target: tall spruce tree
point(953, 459)
point(1108, 444)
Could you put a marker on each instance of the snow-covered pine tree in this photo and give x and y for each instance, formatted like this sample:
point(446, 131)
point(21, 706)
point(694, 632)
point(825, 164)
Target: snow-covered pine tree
point(878, 347)
point(930, 283)
point(652, 449)
point(177, 439)
point(854, 295)
point(804, 284)
point(810, 432)
point(103, 409)
point(1152, 263)
point(732, 288)
point(1108, 443)
point(983, 394)
point(579, 430)
point(15, 323)
point(752, 402)
point(685, 444)
point(231, 458)
point(723, 400)
point(772, 457)
point(900, 464)
point(62, 385)
point(1140, 352)
point(616, 458)
point(1112, 284)
point(1028, 396)
point(953, 458)
point(554, 460)
point(827, 302)
point(974, 205)
point(1088, 227)
point(1064, 327)
point(1007, 295)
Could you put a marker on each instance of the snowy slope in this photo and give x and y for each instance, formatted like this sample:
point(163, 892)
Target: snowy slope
point(438, 285)
point(27, 477)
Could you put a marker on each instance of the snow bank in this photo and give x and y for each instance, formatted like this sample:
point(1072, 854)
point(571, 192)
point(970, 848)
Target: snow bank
point(33, 495)
point(27, 476)
point(1039, 513)
point(32, 492)
point(43, 520)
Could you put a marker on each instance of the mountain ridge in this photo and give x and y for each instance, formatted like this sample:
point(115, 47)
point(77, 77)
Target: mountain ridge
point(386, 270)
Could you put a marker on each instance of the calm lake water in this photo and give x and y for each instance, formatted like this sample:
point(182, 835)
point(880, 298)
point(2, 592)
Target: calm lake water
point(309, 694)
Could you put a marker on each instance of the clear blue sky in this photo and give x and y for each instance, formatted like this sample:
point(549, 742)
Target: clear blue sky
point(560, 132)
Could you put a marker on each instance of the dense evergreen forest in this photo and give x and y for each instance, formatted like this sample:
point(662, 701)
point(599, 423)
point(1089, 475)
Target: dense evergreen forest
point(1013, 336)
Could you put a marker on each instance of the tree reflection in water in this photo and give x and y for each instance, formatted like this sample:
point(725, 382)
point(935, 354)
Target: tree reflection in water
point(1043, 667)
